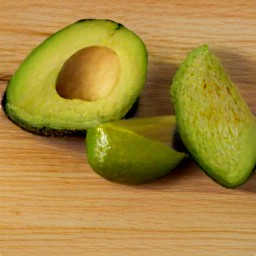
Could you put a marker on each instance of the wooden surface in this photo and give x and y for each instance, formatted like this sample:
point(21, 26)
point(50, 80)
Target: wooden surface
point(52, 203)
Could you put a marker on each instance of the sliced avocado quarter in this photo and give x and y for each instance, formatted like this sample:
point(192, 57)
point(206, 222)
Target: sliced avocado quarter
point(88, 73)
point(214, 121)
point(133, 151)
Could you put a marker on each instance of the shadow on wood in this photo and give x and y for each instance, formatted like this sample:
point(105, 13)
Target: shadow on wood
point(155, 99)
point(241, 70)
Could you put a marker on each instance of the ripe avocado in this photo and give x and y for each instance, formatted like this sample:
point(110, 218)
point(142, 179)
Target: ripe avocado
point(133, 151)
point(88, 73)
point(214, 122)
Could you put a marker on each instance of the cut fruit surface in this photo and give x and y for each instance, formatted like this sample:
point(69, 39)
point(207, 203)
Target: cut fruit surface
point(88, 73)
point(214, 121)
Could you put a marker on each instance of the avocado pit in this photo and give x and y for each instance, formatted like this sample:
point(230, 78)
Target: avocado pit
point(89, 74)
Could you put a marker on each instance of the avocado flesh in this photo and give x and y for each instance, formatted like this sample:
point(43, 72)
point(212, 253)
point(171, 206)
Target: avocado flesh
point(214, 122)
point(31, 99)
point(133, 151)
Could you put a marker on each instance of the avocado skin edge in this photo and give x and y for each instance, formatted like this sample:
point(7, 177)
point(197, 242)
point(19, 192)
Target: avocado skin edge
point(60, 133)
point(40, 131)
point(119, 25)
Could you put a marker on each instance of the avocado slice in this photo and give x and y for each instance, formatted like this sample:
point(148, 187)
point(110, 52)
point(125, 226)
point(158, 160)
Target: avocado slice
point(214, 122)
point(133, 151)
point(88, 73)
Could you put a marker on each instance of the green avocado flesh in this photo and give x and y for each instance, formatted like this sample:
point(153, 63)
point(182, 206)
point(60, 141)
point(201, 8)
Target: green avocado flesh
point(133, 151)
point(214, 122)
point(31, 98)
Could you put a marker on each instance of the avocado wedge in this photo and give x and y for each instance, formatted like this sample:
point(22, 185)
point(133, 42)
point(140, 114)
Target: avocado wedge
point(88, 73)
point(133, 151)
point(214, 121)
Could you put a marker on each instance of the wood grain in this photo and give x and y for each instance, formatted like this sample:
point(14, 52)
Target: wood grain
point(52, 203)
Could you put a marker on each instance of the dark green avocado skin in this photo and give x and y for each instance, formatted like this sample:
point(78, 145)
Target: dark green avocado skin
point(42, 131)
point(61, 133)
point(119, 25)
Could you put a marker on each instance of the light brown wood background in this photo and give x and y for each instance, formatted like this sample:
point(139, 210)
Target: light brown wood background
point(52, 203)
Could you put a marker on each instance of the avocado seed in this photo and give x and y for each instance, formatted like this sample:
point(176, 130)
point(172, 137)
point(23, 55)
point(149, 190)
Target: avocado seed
point(89, 74)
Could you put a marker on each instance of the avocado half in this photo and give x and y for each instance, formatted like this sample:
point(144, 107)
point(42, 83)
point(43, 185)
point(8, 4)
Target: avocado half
point(214, 121)
point(88, 73)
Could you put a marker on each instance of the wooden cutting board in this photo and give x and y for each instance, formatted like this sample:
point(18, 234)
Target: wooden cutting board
point(52, 203)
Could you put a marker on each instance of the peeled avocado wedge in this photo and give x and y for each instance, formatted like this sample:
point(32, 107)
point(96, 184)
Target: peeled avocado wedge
point(214, 122)
point(88, 73)
point(133, 151)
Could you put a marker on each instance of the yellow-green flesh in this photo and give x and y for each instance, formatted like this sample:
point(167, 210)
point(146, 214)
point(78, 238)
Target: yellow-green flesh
point(214, 121)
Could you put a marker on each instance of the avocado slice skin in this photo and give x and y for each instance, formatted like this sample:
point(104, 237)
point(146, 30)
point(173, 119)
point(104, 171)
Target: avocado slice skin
point(133, 151)
point(32, 102)
point(214, 122)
